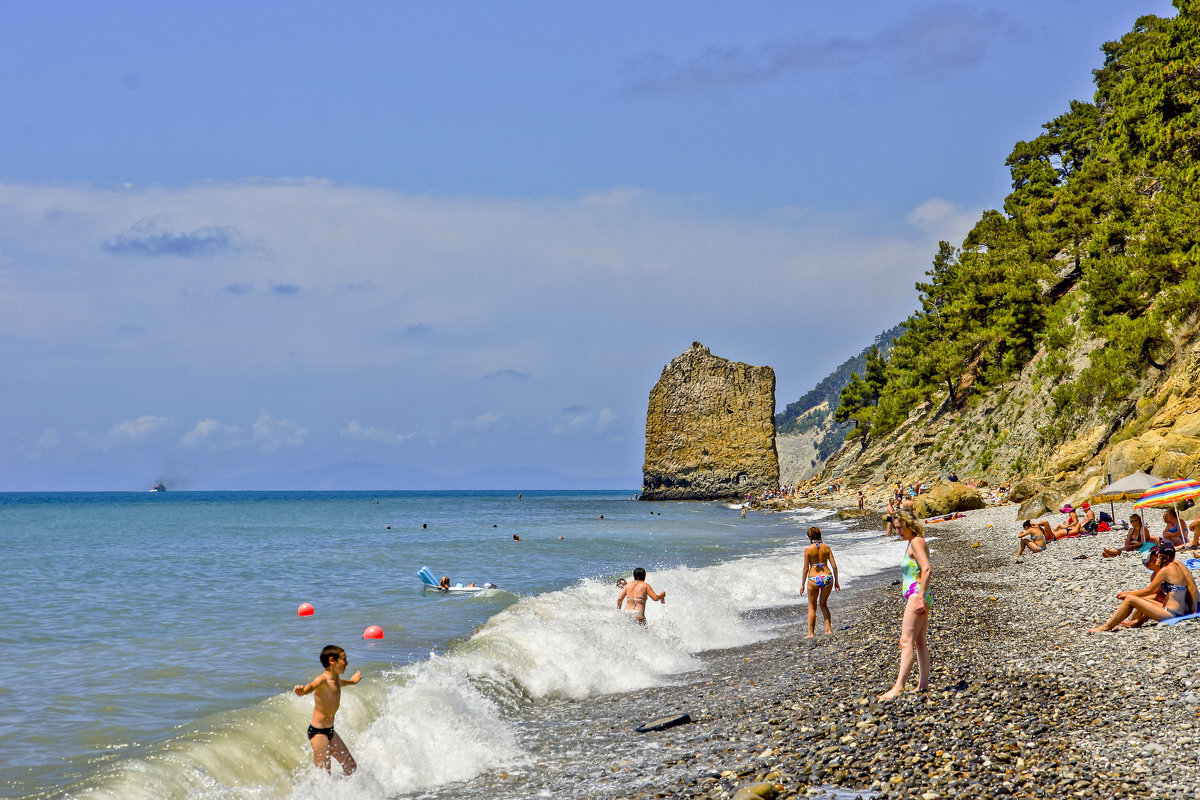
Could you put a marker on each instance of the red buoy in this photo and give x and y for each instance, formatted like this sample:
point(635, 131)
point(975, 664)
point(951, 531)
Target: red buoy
point(373, 632)
point(305, 610)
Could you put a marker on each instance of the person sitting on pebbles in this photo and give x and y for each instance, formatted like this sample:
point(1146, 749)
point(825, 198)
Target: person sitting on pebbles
point(1154, 564)
point(1034, 537)
point(1071, 527)
point(1088, 524)
point(1175, 582)
point(1174, 530)
point(1135, 541)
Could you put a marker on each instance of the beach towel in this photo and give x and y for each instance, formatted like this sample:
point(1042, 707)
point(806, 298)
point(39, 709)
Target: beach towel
point(1184, 618)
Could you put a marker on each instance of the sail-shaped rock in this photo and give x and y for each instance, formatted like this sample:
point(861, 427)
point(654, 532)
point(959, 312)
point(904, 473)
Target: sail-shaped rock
point(710, 430)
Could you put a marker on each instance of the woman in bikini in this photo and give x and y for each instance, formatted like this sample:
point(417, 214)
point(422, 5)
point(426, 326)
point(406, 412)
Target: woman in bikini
point(1173, 579)
point(918, 600)
point(1071, 527)
point(1034, 537)
point(1135, 541)
point(821, 577)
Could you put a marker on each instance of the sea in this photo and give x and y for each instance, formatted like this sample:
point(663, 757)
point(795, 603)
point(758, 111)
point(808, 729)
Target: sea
point(152, 639)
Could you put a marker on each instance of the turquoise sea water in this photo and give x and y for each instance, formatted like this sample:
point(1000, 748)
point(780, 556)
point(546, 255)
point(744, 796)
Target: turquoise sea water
point(155, 637)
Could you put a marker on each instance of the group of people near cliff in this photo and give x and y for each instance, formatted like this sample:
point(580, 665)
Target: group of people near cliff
point(1035, 537)
point(1171, 591)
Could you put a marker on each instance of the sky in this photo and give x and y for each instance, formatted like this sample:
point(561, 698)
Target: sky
point(249, 237)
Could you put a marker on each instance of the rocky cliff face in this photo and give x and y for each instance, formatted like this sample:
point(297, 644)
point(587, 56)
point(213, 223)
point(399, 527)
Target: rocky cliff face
point(710, 429)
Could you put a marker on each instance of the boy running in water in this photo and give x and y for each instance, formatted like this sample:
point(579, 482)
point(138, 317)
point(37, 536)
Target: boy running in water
point(327, 688)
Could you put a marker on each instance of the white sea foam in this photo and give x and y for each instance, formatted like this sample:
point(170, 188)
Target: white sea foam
point(449, 717)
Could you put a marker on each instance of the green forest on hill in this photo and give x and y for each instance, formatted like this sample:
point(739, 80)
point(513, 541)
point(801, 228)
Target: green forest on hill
point(1106, 201)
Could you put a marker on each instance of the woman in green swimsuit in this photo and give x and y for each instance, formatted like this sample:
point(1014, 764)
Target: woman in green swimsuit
point(918, 600)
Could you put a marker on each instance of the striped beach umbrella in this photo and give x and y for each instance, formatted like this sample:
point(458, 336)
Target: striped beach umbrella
point(1168, 493)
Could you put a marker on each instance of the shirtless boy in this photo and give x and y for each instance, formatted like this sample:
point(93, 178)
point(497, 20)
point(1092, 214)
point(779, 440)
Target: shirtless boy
point(636, 592)
point(328, 690)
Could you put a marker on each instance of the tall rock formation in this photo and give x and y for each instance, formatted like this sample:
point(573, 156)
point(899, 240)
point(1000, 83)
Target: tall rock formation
point(710, 429)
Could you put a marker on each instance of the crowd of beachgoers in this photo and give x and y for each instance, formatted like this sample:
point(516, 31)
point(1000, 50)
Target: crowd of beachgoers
point(1021, 700)
point(1019, 604)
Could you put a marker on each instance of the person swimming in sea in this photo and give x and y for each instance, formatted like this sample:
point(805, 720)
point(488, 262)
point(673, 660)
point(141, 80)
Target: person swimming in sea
point(820, 577)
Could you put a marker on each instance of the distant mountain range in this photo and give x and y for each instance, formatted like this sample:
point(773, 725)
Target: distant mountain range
point(380, 477)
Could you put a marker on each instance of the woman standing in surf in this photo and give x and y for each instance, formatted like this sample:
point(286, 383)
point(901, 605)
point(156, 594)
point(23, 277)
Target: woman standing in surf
point(918, 600)
point(820, 576)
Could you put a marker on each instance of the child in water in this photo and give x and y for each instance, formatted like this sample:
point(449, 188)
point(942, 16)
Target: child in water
point(327, 688)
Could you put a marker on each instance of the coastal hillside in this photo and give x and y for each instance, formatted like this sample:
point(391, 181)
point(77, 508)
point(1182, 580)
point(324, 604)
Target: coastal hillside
point(806, 432)
point(1058, 342)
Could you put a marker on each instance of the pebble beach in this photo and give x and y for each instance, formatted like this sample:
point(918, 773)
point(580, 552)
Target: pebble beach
point(1023, 702)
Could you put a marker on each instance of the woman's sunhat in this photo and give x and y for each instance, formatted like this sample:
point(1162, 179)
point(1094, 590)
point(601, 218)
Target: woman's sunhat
point(1066, 509)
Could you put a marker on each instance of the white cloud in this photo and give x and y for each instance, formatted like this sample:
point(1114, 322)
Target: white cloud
point(271, 434)
point(213, 434)
point(942, 220)
point(583, 420)
point(135, 430)
point(482, 422)
point(357, 432)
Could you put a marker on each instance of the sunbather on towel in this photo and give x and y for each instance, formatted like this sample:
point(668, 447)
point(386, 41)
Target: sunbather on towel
point(1138, 618)
point(1069, 528)
point(1175, 581)
point(1134, 540)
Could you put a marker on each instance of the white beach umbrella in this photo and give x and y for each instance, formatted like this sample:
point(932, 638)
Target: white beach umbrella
point(1131, 487)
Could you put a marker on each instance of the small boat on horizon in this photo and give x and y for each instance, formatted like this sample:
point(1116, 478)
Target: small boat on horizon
point(159, 487)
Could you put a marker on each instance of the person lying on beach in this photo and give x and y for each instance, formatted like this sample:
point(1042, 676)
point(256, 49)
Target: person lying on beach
point(1135, 540)
point(819, 580)
point(1070, 527)
point(1034, 537)
point(636, 592)
point(327, 691)
point(1175, 581)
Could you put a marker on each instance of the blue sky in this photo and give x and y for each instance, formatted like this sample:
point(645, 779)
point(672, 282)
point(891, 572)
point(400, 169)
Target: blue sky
point(277, 236)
